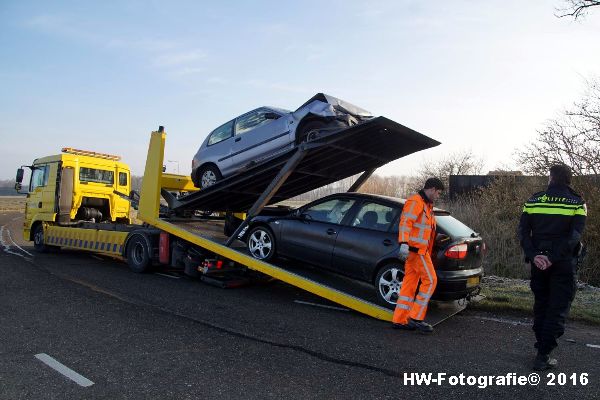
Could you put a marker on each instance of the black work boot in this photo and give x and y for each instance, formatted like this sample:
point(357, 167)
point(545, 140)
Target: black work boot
point(421, 326)
point(543, 362)
point(407, 327)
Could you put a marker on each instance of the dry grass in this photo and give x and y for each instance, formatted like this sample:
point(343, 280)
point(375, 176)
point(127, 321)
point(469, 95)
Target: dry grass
point(515, 295)
point(12, 203)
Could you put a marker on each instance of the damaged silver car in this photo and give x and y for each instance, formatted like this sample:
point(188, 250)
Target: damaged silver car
point(265, 132)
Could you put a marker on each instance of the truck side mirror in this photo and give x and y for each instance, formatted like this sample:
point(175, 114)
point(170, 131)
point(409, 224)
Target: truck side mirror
point(20, 173)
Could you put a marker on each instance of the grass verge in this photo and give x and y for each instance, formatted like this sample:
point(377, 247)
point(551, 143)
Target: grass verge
point(515, 296)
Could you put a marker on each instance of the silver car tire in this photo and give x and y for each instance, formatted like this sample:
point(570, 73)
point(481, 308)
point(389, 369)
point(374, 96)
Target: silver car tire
point(261, 243)
point(388, 283)
point(208, 176)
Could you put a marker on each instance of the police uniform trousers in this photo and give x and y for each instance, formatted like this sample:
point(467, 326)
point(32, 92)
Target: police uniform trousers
point(554, 290)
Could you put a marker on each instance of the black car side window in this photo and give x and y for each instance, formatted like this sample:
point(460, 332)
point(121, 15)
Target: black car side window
point(329, 211)
point(375, 216)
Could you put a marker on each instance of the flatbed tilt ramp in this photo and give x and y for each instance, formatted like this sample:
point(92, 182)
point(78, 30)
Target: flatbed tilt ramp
point(326, 158)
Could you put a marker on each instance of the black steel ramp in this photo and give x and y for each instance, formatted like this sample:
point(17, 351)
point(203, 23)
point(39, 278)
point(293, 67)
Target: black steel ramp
point(327, 158)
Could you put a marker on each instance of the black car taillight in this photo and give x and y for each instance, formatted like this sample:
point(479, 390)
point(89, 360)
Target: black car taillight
point(457, 251)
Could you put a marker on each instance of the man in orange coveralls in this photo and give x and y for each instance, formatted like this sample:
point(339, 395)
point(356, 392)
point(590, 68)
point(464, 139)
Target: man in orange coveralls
point(416, 237)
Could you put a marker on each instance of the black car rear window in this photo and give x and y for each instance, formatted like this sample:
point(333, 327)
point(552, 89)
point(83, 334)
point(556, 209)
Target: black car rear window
point(453, 227)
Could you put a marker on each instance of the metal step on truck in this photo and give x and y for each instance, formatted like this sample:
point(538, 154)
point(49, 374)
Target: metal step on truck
point(81, 200)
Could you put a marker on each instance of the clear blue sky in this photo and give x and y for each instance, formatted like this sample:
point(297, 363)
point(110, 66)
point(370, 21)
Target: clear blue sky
point(100, 75)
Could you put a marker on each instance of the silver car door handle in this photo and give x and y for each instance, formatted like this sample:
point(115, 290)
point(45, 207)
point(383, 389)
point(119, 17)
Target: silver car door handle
point(331, 231)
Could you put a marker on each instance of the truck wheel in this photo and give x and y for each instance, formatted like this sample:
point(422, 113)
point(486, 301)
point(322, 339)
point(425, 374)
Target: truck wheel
point(261, 243)
point(388, 283)
point(138, 254)
point(38, 239)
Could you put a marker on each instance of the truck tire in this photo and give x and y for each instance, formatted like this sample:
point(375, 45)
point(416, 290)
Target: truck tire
point(388, 283)
point(138, 254)
point(38, 239)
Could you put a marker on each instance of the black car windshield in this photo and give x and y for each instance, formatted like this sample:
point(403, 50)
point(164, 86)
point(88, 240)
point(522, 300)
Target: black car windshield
point(453, 227)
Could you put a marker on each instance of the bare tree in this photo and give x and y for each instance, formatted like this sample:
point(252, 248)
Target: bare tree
point(572, 139)
point(576, 8)
point(462, 162)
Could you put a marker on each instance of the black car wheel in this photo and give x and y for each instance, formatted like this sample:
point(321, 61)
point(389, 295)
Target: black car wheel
point(208, 176)
point(388, 282)
point(261, 243)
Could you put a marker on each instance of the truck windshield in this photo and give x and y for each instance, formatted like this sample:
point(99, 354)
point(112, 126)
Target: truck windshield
point(96, 175)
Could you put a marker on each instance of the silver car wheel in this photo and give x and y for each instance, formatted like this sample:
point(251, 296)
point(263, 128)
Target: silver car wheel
point(389, 284)
point(260, 244)
point(208, 178)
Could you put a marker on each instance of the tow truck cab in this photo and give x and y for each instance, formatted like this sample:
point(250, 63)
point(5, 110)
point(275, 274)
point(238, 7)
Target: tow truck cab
point(75, 186)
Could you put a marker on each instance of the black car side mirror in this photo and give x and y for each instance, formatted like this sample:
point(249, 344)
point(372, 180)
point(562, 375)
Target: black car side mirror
point(271, 115)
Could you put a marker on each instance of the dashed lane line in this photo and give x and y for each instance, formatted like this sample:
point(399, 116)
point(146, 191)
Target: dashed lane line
point(64, 370)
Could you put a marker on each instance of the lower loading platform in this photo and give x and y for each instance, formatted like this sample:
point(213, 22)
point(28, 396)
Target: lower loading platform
point(362, 291)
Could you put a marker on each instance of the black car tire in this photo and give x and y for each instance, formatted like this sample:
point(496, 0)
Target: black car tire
point(207, 176)
point(261, 243)
point(138, 254)
point(38, 239)
point(312, 126)
point(388, 282)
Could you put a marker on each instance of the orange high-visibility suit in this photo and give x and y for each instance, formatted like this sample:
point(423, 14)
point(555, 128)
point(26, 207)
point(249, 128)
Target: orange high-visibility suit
point(417, 229)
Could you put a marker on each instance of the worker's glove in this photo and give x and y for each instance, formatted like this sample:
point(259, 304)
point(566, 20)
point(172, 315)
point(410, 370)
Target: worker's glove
point(403, 252)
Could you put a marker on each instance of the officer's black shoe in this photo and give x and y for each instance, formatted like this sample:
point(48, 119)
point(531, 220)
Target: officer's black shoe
point(543, 362)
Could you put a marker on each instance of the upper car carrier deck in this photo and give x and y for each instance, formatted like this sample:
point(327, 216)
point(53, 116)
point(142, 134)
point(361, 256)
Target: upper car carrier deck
point(328, 157)
point(325, 159)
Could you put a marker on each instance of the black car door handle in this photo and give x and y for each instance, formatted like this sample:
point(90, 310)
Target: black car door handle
point(331, 231)
point(387, 242)
point(237, 139)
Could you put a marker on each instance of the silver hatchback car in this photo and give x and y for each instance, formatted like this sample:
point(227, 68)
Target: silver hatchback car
point(265, 132)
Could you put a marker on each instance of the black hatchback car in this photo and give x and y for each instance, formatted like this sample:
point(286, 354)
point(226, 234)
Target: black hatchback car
point(356, 235)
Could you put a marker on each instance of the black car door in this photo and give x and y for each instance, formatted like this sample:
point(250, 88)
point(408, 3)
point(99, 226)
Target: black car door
point(311, 237)
point(365, 240)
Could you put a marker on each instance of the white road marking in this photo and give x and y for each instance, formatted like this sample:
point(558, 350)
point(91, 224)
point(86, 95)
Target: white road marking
point(7, 248)
point(168, 276)
point(64, 370)
point(320, 305)
point(16, 245)
point(595, 346)
point(97, 258)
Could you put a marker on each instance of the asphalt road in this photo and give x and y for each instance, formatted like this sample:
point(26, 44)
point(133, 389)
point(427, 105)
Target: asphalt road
point(140, 336)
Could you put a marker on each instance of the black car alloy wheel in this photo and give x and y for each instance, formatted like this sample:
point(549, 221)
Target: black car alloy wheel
point(261, 243)
point(388, 283)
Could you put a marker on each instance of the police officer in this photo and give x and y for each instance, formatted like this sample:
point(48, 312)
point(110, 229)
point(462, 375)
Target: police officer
point(550, 232)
